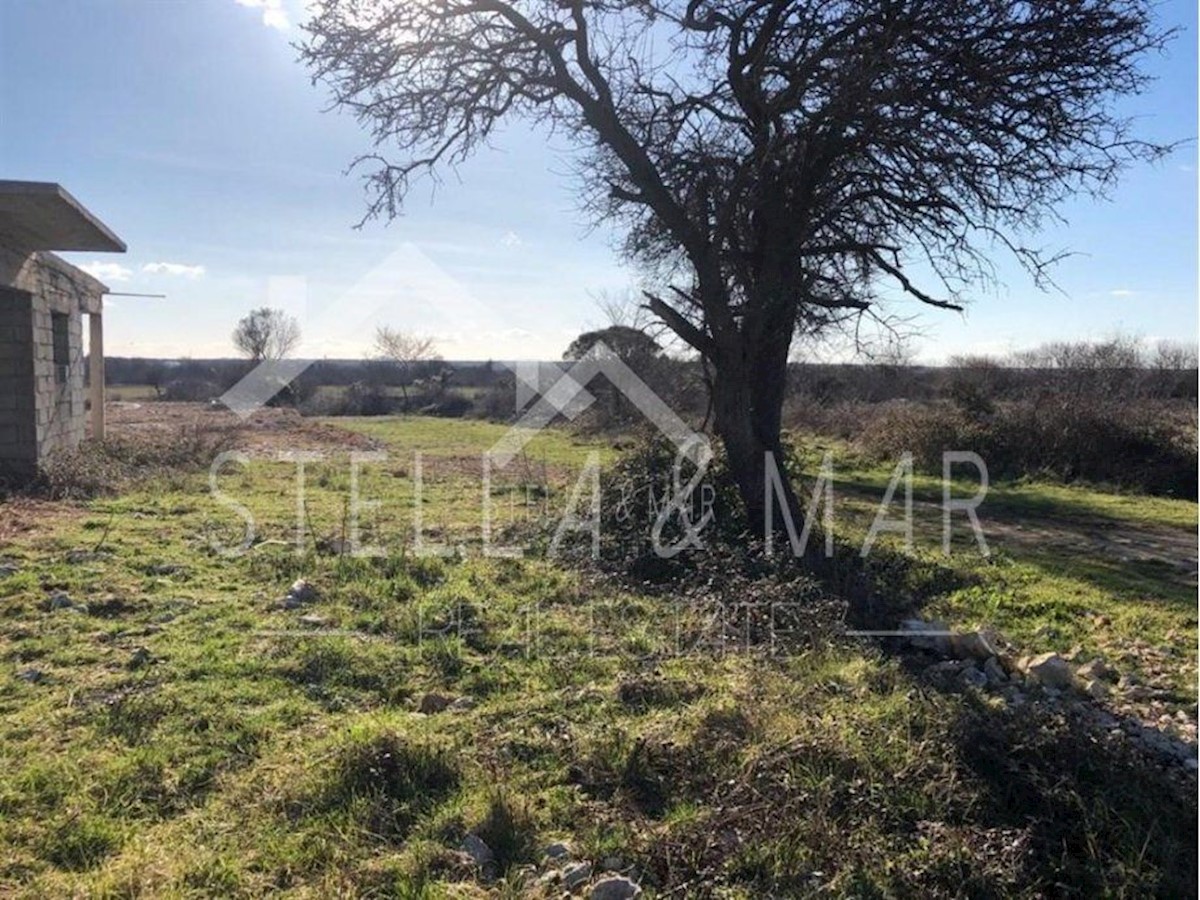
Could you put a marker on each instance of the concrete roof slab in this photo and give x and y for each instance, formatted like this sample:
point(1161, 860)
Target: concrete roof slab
point(41, 215)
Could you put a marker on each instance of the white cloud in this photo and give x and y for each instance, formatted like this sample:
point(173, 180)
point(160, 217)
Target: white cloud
point(169, 268)
point(1122, 292)
point(273, 13)
point(511, 239)
point(107, 271)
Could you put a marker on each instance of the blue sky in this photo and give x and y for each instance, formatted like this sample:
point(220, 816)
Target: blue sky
point(189, 128)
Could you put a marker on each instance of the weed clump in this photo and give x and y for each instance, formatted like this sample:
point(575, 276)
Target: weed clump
point(332, 666)
point(381, 779)
point(643, 693)
point(107, 467)
point(508, 830)
point(81, 842)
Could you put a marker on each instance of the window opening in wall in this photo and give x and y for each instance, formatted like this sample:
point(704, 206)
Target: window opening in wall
point(61, 337)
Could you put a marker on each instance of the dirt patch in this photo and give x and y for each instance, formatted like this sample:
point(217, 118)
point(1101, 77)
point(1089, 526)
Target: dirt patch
point(264, 433)
point(1109, 543)
point(29, 517)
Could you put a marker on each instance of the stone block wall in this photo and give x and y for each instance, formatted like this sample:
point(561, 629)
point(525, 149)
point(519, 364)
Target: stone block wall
point(18, 418)
point(42, 399)
point(58, 388)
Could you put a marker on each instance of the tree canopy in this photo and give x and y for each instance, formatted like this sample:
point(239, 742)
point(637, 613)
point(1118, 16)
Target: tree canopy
point(266, 334)
point(776, 164)
point(622, 341)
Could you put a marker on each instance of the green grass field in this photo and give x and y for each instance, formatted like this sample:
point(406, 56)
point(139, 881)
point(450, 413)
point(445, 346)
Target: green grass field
point(172, 730)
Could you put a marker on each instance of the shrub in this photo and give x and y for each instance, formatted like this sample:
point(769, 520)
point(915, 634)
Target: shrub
point(359, 398)
point(635, 491)
point(449, 405)
point(925, 431)
point(495, 402)
point(508, 830)
point(97, 468)
point(191, 389)
point(373, 398)
point(1147, 445)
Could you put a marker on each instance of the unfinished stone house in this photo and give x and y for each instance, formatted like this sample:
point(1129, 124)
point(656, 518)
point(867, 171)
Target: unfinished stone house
point(43, 300)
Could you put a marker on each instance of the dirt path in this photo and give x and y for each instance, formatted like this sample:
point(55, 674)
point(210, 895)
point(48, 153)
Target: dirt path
point(1169, 554)
point(1174, 550)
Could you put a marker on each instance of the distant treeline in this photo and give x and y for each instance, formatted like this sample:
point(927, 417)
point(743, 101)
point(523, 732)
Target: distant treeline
point(222, 373)
point(1119, 368)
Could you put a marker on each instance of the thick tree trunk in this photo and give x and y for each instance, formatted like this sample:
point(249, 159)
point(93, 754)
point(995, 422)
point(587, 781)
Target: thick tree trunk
point(748, 392)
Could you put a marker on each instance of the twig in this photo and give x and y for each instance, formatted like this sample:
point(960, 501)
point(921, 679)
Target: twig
point(104, 535)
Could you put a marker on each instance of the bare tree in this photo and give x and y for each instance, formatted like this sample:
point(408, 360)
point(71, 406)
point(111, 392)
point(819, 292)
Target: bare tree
point(775, 163)
point(265, 334)
point(621, 308)
point(405, 350)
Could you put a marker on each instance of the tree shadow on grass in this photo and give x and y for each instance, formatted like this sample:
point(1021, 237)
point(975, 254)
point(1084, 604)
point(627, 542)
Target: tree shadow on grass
point(1151, 562)
point(960, 794)
point(1103, 817)
point(998, 802)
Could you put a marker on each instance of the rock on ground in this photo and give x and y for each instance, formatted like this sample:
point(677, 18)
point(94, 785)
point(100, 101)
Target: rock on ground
point(994, 671)
point(1096, 668)
point(434, 702)
point(925, 636)
point(473, 845)
point(1049, 670)
point(300, 593)
point(980, 645)
point(973, 677)
point(61, 601)
point(615, 888)
point(576, 874)
point(140, 657)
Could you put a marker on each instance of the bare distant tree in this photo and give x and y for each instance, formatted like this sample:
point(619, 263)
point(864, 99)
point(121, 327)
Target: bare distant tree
point(266, 334)
point(405, 350)
point(774, 163)
point(1174, 356)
